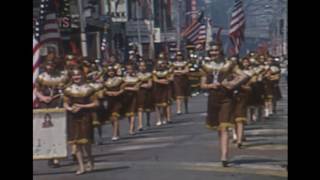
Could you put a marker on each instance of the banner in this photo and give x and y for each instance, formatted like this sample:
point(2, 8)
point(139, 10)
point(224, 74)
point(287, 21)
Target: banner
point(49, 133)
point(117, 9)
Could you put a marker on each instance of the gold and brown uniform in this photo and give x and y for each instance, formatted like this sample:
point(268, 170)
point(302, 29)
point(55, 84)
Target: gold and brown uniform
point(51, 85)
point(242, 98)
point(161, 91)
point(79, 124)
point(181, 82)
point(114, 102)
point(194, 76)
point(144, 99)
point(130, 97)
point(221, 100)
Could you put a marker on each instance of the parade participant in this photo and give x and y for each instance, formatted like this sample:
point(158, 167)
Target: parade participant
point(49, 88)
point(95, 79)
point(255, 101)
point(171, 93)
point(181, 83)
point(131, 88)
point(271, 78)
point(160, 76)
point(241, 101)
point(114, 95)
point(276, 80)
point(79, 100)
point(144, 99)
point(194, 74)
point(220, 78)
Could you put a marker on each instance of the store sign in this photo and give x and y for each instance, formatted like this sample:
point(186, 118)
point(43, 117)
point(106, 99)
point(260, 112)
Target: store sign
point(64, 22)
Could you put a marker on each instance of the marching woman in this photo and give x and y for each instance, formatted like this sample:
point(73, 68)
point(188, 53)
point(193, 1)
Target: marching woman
point(271, 79)
point(241, 101)
point(144, 99)
point(49, 87)
point(255, 101)
point(114, 94)
point(160, 77)
point(79, 101)
point(220, 79)
point(194, 74)
point(171, 93)
point(131, 88)
point(181, 82)
point(95, 79)
point(276, 80)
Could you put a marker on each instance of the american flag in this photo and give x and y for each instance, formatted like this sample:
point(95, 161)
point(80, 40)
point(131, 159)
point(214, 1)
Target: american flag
point(195, 33)
point(237, 25)
point(46, 29)
point(36, 58)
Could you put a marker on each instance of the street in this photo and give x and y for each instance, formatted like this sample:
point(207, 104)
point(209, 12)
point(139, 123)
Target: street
point(186, 150)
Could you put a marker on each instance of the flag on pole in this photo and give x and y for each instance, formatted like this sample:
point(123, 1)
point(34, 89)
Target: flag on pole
point(36, 60)
point(209, 37)
point(195, 33)
point(46, 27)
point(237, 25)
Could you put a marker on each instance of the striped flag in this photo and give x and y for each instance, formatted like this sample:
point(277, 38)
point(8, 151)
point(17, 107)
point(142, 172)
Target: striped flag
point(36, 59)
point(195, 33)
point(46, 27)
point(237, 25)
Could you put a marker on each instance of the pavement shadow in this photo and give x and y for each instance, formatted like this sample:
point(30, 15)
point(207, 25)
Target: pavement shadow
point(107, 154)
point(73, 172)
point(149, 132)
point(265, 135)
point(259, 144)
point(253, 161)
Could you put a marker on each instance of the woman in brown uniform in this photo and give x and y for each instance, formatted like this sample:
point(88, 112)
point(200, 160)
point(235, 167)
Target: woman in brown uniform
point(114, 96)
point(255, 101)
point(271, 78)
point(95, 80)
point(79, 101)
point(49, 87)
point(181, 84)
point(144, 100)
point(132, 85)
point(241, 101)
point(160, 76)
point(217, 79)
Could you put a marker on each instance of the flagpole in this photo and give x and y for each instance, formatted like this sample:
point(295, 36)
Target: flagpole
point(82, 29)
point(138, 27)
point(151, 45)
point(179, 25)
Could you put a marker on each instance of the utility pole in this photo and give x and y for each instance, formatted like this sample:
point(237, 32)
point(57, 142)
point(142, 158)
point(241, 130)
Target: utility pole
point(83, 37)
point(138, 10)
point(179, 25)
point(165, 24)
point(151, 44)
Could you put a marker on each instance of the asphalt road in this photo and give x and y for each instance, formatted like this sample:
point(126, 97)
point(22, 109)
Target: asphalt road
point(184, 150)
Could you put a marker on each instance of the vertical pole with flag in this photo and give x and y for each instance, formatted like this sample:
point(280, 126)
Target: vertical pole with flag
point(35, 69)
point(237, 26)
point(209, 34)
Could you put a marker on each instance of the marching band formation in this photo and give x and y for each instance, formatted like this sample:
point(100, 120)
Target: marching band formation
point(238, 89)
